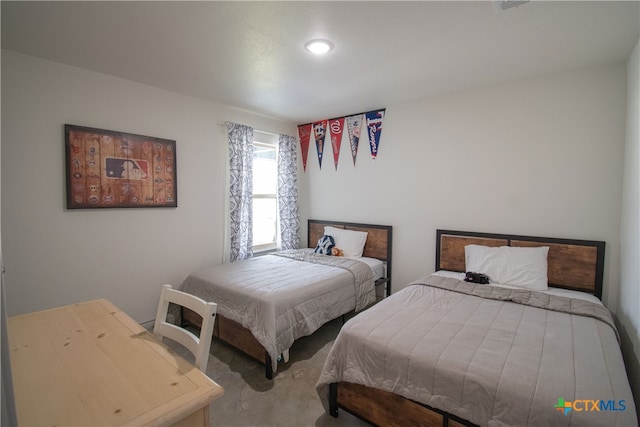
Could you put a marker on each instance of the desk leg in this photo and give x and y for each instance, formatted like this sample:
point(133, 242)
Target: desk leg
point(200, 418)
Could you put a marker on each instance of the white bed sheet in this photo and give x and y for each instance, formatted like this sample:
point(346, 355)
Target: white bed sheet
point(377, 267)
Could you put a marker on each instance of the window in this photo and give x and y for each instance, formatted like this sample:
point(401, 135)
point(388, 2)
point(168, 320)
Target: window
point(272, 190)
point(265, 185)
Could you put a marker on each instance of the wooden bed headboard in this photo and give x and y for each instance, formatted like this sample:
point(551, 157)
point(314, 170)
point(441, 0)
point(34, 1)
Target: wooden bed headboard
point(572, 264)
point(378, 244)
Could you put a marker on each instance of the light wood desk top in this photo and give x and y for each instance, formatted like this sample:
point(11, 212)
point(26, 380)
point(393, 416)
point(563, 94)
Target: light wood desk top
point(91, 364)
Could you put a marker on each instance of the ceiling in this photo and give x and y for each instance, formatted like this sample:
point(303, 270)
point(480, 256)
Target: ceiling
point(251, 55)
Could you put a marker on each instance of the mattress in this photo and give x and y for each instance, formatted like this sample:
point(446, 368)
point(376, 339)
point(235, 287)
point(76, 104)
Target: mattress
point(490, 355)
point(378, 267)
point(286, 295)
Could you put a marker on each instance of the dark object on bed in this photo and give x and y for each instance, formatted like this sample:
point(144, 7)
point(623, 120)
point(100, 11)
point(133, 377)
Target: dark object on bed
point(378, 245)
point(480, 278)
point(572, 264)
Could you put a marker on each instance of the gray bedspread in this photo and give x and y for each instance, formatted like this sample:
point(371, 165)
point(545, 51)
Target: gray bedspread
point(286, 295)
point(492, 356)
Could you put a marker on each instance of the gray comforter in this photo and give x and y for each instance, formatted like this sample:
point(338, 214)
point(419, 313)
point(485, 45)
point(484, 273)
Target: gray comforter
point(286, 295)
point(488, 355)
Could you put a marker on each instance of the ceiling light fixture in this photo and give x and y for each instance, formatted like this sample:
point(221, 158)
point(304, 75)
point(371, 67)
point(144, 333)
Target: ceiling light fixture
point(319, 47)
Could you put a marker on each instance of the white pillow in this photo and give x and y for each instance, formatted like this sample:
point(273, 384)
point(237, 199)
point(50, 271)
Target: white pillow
point(351, 242)
point(515, 266)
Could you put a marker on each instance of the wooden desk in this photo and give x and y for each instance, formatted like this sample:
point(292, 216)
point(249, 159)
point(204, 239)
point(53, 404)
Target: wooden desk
point(90, 364)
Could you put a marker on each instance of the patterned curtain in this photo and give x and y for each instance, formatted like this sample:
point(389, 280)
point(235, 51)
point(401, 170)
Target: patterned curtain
point(240, 191)
point(288, 192)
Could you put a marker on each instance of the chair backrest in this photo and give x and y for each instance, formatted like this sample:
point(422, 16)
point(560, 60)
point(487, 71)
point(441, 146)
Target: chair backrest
point(199, 346)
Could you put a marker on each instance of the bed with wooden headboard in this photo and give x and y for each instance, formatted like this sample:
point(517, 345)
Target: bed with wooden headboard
point(572, 264)
point(416, 347)
point(206, 284)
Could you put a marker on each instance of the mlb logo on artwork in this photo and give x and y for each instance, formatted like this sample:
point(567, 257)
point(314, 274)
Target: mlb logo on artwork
point(123, 168)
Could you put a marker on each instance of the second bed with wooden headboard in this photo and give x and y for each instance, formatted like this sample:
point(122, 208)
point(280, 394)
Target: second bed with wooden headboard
point(445, 352)
point(267, 302)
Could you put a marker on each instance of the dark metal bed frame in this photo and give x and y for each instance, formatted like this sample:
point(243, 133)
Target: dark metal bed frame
point(572, 264)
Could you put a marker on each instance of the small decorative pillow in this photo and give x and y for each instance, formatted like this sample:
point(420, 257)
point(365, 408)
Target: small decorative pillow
point(325, 245)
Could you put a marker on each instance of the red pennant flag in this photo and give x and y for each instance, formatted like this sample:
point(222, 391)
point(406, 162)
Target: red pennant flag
point(374, 129)
point(304, 133)
point(336, 126)
point(320, 131)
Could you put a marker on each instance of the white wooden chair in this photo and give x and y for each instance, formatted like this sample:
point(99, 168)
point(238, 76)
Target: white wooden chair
point(199, 346)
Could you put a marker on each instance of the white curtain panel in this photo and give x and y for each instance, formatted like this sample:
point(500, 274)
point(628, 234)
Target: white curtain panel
point(240, 191)
point(288, 192)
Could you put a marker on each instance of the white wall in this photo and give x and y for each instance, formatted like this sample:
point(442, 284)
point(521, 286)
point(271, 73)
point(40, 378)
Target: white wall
point(55, 256)
point(539, 157)
point(628, 313)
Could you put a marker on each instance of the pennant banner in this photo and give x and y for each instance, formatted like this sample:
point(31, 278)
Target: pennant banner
point(374, 129)
point(320, 131)
point(354, 124)
point(304, 133)
point(336, 126)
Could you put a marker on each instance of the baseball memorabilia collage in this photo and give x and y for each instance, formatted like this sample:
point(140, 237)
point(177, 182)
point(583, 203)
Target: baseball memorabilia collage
point(109, 169)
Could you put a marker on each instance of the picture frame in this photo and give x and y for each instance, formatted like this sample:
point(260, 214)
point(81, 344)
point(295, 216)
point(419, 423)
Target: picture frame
point(111, 169)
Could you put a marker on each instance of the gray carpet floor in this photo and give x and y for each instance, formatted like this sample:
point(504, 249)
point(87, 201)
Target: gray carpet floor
point(290, 399)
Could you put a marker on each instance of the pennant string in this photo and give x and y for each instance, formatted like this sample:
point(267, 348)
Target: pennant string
point(371, 119)
point(348, 115)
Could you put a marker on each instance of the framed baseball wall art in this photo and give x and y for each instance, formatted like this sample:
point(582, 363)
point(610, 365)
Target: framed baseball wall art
point(109, 169)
